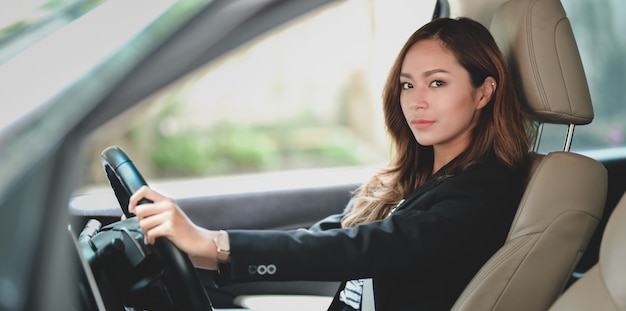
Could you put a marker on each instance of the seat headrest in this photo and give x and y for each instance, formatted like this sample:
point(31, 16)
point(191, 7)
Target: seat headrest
point(536, 38)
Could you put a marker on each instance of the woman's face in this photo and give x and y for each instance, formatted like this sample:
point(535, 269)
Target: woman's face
point(437, 98)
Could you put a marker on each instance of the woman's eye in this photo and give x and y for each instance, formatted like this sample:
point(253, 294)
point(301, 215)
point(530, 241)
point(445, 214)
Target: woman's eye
point(436, 83)
point(406, 85)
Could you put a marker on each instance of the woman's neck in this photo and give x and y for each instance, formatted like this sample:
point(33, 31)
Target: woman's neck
point(443, 156)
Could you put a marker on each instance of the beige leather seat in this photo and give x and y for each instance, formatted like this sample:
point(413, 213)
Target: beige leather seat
point(603, 287)
point(566, 192)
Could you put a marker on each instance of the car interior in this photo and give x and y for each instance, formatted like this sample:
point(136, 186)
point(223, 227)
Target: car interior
point(559, 211)
point(558, 214)
point(564, 250)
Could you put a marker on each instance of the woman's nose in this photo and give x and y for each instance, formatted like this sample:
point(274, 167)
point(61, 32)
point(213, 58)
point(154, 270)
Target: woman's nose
point(417, 100)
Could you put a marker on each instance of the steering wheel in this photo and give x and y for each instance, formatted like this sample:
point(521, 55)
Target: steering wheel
point(151, 277)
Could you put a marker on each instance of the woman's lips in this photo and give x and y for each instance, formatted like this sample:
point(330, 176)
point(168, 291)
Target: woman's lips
point(421, 123)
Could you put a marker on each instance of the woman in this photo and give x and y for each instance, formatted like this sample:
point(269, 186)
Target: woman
point(422, 227)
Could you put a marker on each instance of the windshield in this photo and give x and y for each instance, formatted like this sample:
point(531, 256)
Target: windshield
point(23, 23)
point(47, 57)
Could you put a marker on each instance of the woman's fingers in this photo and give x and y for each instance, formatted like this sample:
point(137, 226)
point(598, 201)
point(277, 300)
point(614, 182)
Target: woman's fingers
point(164, 218)
point(160, 219)
point(149, 209)
point(144, 193)
point(155, 219)
point(156, 225)
point(161, 230)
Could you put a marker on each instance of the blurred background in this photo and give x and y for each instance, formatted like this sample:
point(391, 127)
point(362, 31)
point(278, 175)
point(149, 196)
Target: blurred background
point(307, 95)
point(296, 98)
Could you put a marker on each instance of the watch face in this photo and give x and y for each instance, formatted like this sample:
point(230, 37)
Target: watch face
point(223, 247)
point(222, 242)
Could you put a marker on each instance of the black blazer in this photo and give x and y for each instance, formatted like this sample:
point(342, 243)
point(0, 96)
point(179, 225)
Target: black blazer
point(420, 258)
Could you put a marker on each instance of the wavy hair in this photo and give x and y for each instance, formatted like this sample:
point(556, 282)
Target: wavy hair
point(502, 129)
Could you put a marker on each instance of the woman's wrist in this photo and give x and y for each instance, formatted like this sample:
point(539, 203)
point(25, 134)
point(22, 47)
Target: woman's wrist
point(204, 255)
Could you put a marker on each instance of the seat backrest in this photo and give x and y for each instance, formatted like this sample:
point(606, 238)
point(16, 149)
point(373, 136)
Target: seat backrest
point(603, 287)
point(566, 192)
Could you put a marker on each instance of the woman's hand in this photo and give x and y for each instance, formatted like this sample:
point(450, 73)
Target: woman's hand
point(164, 218)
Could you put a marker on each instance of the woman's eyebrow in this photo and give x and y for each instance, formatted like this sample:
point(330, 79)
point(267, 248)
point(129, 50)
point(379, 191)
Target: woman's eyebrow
point(425, 74)
point(434, 71)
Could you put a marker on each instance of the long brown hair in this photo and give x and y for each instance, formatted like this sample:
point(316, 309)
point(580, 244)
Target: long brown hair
point(502, 128)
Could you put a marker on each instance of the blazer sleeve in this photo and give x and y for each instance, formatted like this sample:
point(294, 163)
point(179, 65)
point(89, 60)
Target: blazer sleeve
point(466, 217)
point(332, 221)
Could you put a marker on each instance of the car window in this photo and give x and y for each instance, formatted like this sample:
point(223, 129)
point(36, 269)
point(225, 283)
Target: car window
point(307, 95)
point(598, 27)
point(23, 23)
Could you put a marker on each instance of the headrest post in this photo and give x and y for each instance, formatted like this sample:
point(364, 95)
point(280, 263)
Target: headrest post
point(569, 137)
point(538, 137)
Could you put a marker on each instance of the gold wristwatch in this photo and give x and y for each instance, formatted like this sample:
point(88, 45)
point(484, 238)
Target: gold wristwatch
point(223, 247)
